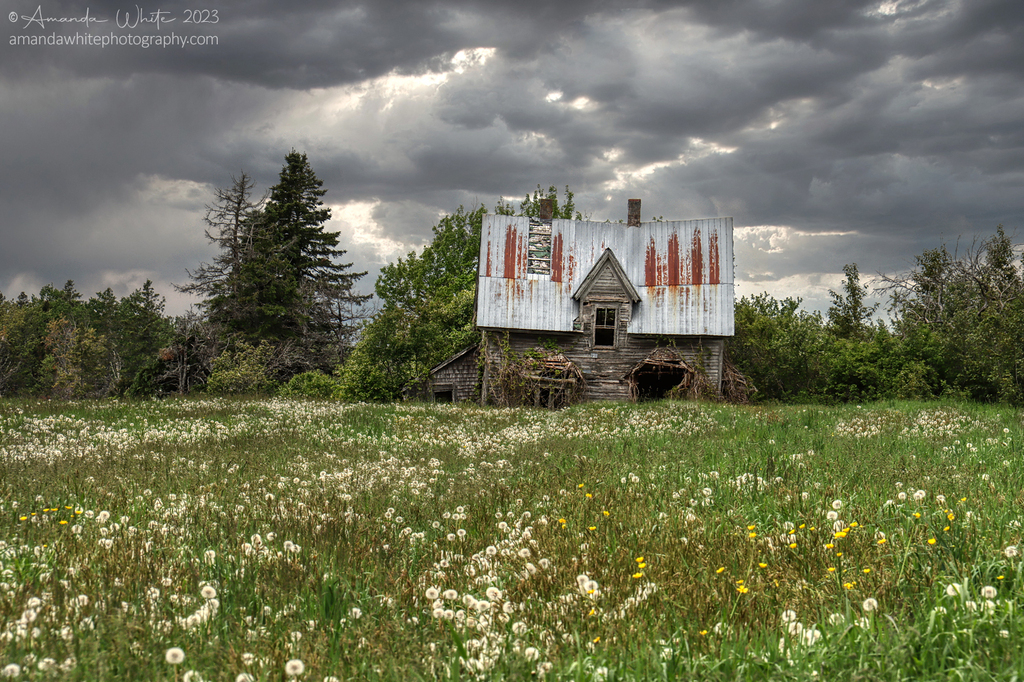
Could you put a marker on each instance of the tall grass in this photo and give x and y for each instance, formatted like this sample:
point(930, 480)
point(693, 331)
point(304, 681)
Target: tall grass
point(651, 541)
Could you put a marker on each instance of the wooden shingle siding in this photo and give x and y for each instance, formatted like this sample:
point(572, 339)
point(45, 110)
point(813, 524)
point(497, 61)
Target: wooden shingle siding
point(459, 375)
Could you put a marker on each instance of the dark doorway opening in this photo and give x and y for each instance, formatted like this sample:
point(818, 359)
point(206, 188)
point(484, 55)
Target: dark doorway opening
point(443, 397)
point(654, 383)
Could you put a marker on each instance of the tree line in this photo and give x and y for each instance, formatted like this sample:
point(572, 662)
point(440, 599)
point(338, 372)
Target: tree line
point(280, 314)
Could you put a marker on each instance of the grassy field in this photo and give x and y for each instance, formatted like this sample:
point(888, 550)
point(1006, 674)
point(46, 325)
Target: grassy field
point(275, 540)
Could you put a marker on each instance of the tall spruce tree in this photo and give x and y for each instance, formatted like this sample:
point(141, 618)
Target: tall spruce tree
point(278, 277)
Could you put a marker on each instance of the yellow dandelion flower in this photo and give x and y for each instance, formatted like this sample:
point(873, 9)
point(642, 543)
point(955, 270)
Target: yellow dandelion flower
point(812, 527)
point(24, 518)
point(751, 535)
point(742, 590)
point(792, 531)
point(950, 516)
point(720, 570)
point(763, 565)
point(580, 485)
point(78, 511)
point(639, 559)
point(606, 512)
point(739, 582)
point(917, 515)
point(854, 524)
point(703, 632)
point(792, 545)
point(931, 541)
point(831, 569)
point(638, 575)
point(829, 546)
point(802, 526)
point(840, 534)
point(561, 520)
point(67, 507)
point(592, 612)
point(946, 529)
point(839, 554)
point(963, 499)
point(848, 586)
point(63, 522)
point(1000, 577)
point(881, 541)
point(866, 571)
point(593, 527)
point(597, 639)
point(642, 564)
point(589, 496)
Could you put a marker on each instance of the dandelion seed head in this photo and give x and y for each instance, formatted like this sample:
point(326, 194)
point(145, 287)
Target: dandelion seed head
point(174, 655)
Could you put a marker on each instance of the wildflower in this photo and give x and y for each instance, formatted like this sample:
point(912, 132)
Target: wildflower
point(931, 541)
point(788, 616)
point(11, 670)
point(493, 593)
point(792, 545)
point(450, 594)
point(988, 592)
point(531, 654)
point(870, 604)
point(881, 541)
point(606, 513)
point(174, 655)
point(588, 528)
point(721, 570)
point(831, 569)
point(762, 565)
point(638, 575)
point(751, 535)
point(209, 592)
point(703, 632)
point(432, 593)
point(294, 667)
point(1011, 552)
point(356, 613)
point(245, 677)
point(953, 590)
point(742, 589)
point(837, 504)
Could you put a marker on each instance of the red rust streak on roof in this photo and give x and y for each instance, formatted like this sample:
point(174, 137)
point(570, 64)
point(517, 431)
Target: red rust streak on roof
point(510, 253)
point(651, 265)
point(714, 274)
point(697, 269)
point(673, 260)
point(556, 258)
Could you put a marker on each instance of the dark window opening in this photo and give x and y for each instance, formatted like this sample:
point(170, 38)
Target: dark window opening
point(604, 327)
point(443, 396)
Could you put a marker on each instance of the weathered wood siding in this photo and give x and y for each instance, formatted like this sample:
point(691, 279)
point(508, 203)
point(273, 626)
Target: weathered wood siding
point(461, 377)
point(605, 369)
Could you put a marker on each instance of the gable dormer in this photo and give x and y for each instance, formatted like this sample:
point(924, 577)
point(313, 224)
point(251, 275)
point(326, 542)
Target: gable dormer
point(606, 298)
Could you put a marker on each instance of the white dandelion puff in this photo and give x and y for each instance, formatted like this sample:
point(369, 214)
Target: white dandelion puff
point(175, 655)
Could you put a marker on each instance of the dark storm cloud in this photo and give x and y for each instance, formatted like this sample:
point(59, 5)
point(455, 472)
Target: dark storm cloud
point(885, 125)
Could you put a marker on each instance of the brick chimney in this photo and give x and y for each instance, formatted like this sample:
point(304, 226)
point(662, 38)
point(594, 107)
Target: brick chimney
point(633, 214)
point(547, 208)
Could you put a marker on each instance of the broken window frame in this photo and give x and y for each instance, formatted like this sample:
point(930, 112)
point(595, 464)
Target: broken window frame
point(602, 328)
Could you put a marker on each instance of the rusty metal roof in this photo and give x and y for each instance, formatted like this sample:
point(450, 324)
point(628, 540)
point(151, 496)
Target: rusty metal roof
point(682, 271)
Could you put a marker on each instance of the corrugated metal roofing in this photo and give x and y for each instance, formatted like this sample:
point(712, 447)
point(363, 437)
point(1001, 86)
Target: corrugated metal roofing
point(683, 271)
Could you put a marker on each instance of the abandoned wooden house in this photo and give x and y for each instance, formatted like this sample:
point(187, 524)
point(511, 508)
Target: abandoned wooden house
point(576, 310)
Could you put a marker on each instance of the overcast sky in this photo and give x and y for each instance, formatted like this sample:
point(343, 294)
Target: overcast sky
point(832, 132)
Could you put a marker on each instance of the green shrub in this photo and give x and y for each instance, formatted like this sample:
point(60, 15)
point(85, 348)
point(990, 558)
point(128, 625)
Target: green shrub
point(246, 370)
point(313, 384)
